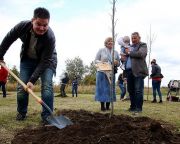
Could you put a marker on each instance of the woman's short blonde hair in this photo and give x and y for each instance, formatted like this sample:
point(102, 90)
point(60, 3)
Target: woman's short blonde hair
point(108, 39)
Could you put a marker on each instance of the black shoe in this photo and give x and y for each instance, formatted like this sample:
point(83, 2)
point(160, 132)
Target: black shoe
point(122, 99)
point(45, 122)
point(103, 109)
point(20, 117)
point(138, 110)
point(154, 101)
point(108, 109)
point(127, 98)
point(160, 101)
point(131, 110)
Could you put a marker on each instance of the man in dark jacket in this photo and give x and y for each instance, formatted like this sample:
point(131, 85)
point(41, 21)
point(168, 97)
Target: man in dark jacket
point(38, 58)
point(136, 70)
point(156, 80)
point(64, 82)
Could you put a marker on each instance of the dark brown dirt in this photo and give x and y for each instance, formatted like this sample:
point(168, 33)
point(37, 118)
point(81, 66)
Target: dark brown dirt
point(97, 128)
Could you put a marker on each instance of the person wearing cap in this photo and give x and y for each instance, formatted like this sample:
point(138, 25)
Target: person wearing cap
point(38, 59)
point(136, 70)
point(103, 84)
point(156, 77)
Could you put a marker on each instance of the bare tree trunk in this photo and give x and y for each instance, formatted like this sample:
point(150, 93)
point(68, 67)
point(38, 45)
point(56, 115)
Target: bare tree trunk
point(112, 87)
point(150, 41)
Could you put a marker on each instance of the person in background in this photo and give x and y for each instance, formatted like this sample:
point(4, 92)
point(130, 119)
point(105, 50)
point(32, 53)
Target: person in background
point(136, 70)
point(38, 58)
point(3, 79)
point(156, 77)
point(74, 86)
point(64, 82)
point(103, 93)
point(122, 85)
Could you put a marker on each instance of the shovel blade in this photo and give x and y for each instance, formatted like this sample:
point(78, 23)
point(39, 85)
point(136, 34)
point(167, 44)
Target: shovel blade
point(59, 121)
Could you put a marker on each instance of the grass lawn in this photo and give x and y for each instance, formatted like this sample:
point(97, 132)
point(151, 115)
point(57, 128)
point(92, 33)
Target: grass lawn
point(167, 111)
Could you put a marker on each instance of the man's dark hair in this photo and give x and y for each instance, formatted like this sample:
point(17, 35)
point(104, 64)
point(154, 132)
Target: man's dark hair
point(136, 33)
point(41, 13)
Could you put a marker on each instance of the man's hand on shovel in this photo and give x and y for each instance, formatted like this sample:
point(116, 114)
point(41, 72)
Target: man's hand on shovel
point(30, 86)
point(60, 121)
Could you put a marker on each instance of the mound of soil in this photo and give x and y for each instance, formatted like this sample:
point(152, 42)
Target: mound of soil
point(97, 128)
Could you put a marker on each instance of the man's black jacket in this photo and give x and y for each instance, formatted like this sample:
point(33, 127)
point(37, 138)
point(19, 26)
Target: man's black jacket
point(45, 47)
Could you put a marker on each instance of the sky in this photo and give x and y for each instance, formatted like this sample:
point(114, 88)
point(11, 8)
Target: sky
point(81, 26)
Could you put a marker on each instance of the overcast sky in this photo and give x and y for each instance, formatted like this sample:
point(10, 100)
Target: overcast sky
point(81, 26)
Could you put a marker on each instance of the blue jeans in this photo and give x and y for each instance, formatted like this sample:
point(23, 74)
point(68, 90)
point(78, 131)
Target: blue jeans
point(135, 87)
point(123, 90)
point(74, 90)
point(156, 86)
point(27, 67)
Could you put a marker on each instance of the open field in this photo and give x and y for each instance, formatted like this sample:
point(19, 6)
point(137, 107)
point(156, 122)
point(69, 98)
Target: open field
point(169, 112)
point(83, 89)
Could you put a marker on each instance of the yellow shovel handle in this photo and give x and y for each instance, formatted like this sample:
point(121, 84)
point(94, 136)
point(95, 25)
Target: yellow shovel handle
point(39, 100)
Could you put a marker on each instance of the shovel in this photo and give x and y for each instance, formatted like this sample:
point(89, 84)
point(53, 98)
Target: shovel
point(57, 121)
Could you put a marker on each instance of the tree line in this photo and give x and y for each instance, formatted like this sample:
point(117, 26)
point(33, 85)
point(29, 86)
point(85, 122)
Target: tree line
point(74, 67)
